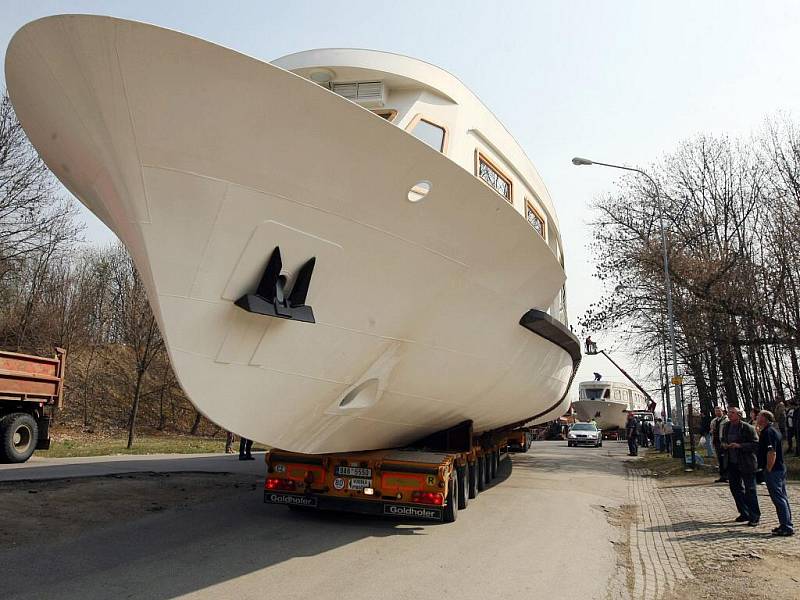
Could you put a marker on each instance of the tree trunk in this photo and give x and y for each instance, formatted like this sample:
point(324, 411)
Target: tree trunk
point(728, 374)
point(196, 424)
point(135, 408)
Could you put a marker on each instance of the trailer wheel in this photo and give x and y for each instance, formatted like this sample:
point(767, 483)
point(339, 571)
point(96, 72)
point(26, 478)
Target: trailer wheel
point(472, 476)
point(18, 436)
point(481, 474)
point(487, 470)
point(463, 487)
point(451, 510)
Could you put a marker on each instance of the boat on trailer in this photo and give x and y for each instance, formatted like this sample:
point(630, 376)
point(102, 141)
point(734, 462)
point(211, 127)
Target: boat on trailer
point(344, 249)
point(608, 403)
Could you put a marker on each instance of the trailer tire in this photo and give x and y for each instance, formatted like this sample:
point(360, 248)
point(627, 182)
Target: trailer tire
point(463, 487)
point(481, 474)
point(472, 476)
point(18, 436)
point(450, 512)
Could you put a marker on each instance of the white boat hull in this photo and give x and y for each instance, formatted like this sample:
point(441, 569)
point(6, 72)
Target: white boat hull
point(203, 160)
point(608, 415)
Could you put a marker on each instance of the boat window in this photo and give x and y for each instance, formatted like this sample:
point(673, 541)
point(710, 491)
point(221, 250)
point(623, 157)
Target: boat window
point(387, 113)
point(430, 133)
point(492, 175)
point(593, 393)
point(534, 218)
point(607, 394)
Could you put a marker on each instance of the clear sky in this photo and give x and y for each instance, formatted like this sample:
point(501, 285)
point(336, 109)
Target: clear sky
point(620, 81)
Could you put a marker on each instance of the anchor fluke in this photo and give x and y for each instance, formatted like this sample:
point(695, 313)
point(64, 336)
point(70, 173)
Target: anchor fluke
point(271, 298)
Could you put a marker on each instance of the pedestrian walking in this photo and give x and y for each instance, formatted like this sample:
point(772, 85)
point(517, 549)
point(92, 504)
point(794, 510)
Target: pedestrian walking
point(790, 415)
point(658, 433)
point(770, 459)
point(632, 433)
point(244, 449)
point(716, 429)
point(740, 442)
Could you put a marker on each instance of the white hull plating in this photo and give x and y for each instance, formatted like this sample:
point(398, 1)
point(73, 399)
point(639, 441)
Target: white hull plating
point(607, 414)
point(203, 160)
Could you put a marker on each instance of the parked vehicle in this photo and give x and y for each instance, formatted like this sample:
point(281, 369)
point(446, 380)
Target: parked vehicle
point(31, 389)
point(519, 440)
point(585, 434)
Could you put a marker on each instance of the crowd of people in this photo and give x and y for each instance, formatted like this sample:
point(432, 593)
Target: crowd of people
point(643, 432)
point(751, 452)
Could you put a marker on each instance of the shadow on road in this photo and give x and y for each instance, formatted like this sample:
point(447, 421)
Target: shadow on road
point(180, 551)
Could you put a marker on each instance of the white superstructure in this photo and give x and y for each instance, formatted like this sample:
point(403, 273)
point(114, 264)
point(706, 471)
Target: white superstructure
point(437, 292)
point(607, 402)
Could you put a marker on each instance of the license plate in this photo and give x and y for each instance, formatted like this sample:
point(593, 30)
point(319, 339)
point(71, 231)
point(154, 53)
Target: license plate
point(359, 484)
point(352, 472)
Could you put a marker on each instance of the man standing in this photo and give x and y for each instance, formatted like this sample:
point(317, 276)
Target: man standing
point(658, 432)
point(770, 458)
point(668, 435)
point(632, 433)
point(797, 428)
point(740, 442)
point(780, 417)
point(716, 429)
point(790, 413)
point(245, 447)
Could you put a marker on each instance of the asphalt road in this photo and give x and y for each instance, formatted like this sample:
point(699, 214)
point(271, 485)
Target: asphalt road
point(539, 532)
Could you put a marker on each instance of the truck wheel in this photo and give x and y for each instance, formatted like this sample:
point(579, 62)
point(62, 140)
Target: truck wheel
point(472, 476)
point(481, 473)
point(18, 436)
point(451, 509)
point(463, 487)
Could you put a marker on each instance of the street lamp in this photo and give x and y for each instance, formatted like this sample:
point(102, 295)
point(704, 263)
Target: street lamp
point(676, 379)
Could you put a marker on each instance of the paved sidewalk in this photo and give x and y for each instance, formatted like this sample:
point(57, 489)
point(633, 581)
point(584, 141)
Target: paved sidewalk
point(657, 558)
point(682, 532)
point(703, 514)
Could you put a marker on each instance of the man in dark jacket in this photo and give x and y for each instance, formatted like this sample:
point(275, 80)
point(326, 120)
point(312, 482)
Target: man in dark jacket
point(740, 442)
point(632, 433)
point(770, 459)
point(797, 428)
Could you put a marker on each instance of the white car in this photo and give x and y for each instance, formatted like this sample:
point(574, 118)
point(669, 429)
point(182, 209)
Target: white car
point(586, 434)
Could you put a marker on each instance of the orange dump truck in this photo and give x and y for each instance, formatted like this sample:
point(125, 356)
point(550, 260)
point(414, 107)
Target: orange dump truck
point(431, 480)
point(31, 388)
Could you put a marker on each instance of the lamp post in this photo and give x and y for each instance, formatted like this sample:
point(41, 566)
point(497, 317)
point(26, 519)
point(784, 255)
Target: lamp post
point(676, 379)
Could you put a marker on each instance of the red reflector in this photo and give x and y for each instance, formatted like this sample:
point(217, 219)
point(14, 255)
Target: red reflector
point(284, 485)
point(436, 498)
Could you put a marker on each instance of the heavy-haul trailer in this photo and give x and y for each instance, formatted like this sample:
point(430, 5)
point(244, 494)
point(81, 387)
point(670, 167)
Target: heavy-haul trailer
point(31, 389)
point(431, 480)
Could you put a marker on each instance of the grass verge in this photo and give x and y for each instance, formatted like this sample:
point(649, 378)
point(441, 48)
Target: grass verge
point(146, 444)
point(666, 466)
